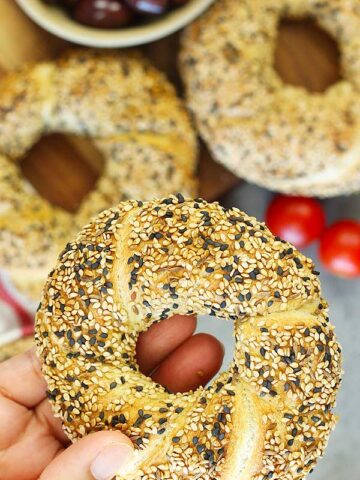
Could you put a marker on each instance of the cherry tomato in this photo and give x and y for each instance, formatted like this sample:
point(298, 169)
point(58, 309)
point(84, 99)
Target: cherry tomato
point(298, 220)
point(340, 248)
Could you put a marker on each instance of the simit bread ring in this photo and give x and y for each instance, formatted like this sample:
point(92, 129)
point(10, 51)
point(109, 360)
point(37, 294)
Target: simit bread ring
point(268, 416)
point(134, 118)
point(276, 135)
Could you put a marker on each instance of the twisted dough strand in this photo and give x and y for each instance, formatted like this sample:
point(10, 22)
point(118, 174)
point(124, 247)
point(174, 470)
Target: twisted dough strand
point(268, 416)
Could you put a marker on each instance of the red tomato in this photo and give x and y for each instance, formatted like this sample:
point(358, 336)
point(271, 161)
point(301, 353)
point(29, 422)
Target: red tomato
point(340, 248)
point(298, 220)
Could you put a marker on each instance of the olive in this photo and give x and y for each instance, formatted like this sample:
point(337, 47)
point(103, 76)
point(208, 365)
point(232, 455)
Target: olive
point(113, 13)
point(178, 3)
point(103, 13)
point(63, 3)
point(151, 7)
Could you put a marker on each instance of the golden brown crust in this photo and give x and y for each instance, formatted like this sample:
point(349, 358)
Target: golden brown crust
point(268, 416)
point(273, 134)
point(136, 121)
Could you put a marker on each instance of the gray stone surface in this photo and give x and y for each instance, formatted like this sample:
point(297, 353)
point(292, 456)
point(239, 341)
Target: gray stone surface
point(342, 459)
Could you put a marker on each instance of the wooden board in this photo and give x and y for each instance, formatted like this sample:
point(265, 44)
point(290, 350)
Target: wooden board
point(63, 169)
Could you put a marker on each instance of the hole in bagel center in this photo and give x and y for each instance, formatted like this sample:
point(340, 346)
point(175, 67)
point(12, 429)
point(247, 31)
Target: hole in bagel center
point(63, 169)
point(182, 355)
point(306, 55)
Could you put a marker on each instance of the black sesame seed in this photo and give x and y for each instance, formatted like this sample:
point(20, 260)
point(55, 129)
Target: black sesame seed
point(139, 421)
point(298, 262)
point(168, 214)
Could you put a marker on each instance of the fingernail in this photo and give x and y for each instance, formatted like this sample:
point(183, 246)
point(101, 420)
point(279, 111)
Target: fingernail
point(110, 461)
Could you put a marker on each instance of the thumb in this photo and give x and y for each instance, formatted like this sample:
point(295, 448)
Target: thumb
point(98, 456)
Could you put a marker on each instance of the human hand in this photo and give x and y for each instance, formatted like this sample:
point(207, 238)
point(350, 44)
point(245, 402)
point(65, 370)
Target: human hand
point(32, 443)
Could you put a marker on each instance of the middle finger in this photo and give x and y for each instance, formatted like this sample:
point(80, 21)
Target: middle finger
point(161, 339)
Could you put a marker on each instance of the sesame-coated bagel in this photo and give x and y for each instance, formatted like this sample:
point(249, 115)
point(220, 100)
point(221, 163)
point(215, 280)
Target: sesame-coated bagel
point(134, 118)
point(268, 416)
point(270, 133)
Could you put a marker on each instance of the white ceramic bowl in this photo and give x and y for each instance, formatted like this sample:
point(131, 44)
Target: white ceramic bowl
point(57, 21)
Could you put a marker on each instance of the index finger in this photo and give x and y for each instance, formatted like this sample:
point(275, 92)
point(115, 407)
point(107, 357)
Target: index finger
point(21, 379)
